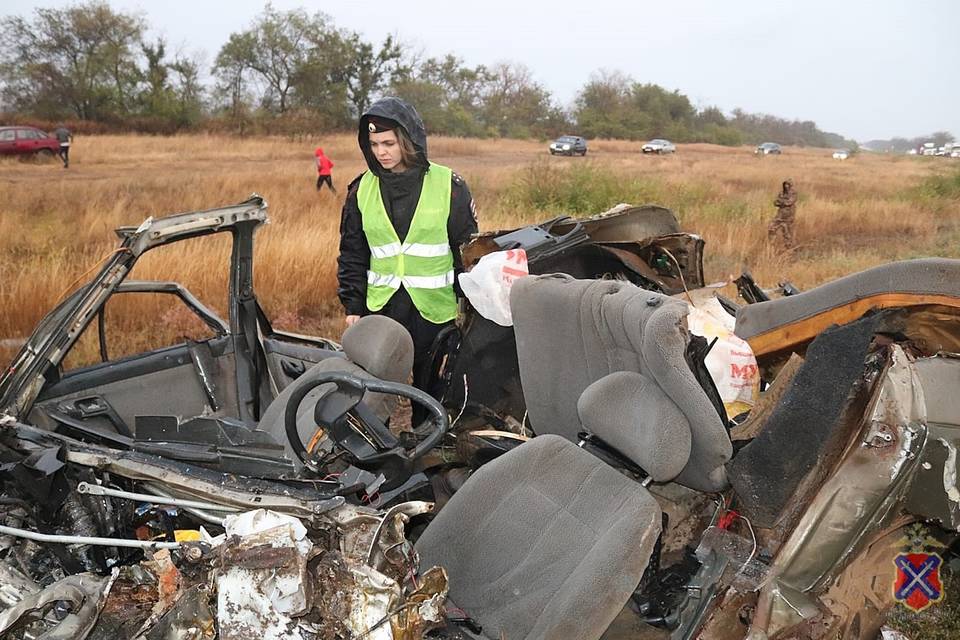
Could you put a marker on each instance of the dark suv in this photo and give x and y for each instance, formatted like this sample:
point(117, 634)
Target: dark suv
point(24, 141)
point(569, 146)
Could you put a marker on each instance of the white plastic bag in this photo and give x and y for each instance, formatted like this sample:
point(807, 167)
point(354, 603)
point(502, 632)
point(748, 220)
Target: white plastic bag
point(731, 362)
point(487, 285)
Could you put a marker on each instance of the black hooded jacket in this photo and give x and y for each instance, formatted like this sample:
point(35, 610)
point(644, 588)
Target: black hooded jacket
point(400, 193)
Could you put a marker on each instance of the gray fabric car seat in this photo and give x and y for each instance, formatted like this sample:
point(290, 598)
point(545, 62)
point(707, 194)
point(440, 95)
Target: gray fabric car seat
point(571, 333)
point(545, 542)
point(375, 346)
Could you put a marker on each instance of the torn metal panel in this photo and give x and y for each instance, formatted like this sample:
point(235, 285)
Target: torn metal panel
point(86, 593)
point(935, 494)
point(855, 502)
point(14, 586)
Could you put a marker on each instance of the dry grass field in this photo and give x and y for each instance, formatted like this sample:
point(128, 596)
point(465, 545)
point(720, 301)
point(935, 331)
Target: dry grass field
point(56, 224)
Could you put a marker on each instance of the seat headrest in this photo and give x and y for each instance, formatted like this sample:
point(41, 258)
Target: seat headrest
point(629, 412)
point(382, 346)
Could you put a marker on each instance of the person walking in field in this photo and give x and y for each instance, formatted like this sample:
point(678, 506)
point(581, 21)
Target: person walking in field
point(324, 170)
point(781, 227)
point(402, 225)
point(64, 137)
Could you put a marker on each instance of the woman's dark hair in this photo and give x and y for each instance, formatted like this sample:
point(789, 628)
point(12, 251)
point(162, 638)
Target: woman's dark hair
point(407, 150)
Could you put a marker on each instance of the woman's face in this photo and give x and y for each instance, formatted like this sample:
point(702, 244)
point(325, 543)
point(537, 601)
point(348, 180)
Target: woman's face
point(386, 149)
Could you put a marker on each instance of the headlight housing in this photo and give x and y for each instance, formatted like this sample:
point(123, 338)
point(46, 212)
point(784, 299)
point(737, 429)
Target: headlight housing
point(566, 147)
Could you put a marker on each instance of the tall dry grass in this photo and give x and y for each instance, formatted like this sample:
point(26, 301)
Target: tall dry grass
point(56, 224)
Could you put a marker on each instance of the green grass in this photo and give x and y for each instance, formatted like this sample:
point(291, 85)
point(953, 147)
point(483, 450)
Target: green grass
point(942, 186)
point(585, 189)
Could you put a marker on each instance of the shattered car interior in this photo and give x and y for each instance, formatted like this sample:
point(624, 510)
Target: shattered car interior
point(582, 472)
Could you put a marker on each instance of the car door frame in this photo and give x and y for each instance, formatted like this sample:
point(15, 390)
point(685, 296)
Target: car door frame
point(38, 362)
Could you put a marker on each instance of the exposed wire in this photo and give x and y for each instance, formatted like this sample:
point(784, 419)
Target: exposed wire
point(523, 424)
point(385, 619)
point(87, 272)
point(680, 273)
point(753, 535)
point(466, 395)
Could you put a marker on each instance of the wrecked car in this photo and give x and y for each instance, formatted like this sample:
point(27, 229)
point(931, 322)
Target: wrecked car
point(583, 473)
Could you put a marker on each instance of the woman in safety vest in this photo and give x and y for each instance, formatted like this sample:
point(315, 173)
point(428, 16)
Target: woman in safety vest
point(401, 230)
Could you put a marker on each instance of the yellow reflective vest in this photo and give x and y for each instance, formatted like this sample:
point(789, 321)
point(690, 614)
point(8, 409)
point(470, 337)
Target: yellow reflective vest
point(423, 262)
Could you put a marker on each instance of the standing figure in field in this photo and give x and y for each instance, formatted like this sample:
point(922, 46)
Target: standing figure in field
point(781, 227)
point(64, 137)
point(324, 170)
point(402, 225)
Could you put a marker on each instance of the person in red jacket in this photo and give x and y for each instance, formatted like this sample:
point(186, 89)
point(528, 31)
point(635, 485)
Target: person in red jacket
point(324, 170)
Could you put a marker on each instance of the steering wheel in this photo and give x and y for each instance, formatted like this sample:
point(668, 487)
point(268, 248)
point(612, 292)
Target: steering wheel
point(356, 428)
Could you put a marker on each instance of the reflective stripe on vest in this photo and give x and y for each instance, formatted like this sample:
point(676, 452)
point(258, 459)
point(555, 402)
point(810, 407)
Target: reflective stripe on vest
point(423, 262)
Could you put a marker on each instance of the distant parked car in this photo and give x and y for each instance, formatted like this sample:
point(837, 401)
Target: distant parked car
point(27, 141)
point(768, 148)
point(659, 145)
point(569, 146)
point(841, 154)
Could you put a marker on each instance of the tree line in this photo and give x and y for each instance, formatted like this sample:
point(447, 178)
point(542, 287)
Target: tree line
point(294, 71)
point(900, 145)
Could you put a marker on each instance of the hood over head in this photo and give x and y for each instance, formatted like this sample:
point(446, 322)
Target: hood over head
point(386, 112)
point(788, 184)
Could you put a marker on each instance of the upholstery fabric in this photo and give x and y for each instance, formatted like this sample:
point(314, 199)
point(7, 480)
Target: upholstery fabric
point(631, 413)
point(571, 333)
point(546, 542)
point(382, 346)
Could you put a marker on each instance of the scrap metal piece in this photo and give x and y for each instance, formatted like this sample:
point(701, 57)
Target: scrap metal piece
point(14, 585)
point(86, 592)
point(374, 597)
point(426, 608)
point(168, 587)
point(260, 588)
point(749, 290)
point(190, 618)
point(389, 536)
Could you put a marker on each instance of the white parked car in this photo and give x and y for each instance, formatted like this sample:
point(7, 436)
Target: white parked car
point(841, 154)
point(659, 146)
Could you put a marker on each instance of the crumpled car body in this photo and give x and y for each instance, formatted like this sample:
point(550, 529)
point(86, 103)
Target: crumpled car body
point(147, 497)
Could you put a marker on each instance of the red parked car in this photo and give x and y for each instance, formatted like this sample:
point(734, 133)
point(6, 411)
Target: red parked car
point(27, 141)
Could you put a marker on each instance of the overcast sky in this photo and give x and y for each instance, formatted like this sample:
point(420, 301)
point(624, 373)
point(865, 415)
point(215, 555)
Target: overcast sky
point(864, 69)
